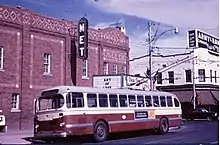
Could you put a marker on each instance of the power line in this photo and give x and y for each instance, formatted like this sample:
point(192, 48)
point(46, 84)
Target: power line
point(171, 47)
point(171, 55)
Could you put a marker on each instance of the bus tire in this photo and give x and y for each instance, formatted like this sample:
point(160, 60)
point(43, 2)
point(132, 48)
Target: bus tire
point(164, 126)
point(100, 131)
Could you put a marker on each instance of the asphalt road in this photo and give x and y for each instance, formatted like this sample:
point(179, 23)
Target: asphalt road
point(190, 132)
point(199, 132)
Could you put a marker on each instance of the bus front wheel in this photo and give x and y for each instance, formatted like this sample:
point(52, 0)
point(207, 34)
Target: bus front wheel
point(100, 131)
point(164, 126)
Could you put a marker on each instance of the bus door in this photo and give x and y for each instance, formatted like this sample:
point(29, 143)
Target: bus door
point(35, 115)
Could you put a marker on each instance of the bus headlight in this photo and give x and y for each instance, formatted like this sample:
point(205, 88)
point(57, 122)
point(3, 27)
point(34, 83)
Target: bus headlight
point(36, 126)
point(215, 114)
point(62, 124)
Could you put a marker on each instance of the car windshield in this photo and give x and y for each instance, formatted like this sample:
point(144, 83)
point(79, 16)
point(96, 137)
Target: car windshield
point(51, 102)
point(202, 110)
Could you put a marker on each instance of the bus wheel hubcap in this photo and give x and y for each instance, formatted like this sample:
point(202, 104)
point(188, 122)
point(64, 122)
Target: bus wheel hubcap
point(164, 126)
point(100, 131)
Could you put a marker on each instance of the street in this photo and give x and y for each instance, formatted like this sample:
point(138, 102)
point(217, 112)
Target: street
point(200, 131)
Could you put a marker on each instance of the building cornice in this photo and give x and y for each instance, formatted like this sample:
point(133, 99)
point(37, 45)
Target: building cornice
point(22, 16)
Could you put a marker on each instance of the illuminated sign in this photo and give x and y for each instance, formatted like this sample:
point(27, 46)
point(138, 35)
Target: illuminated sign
point(120, 81)
point(197, 38)
point(192, 38)
point(83, 38)
point(208, 41)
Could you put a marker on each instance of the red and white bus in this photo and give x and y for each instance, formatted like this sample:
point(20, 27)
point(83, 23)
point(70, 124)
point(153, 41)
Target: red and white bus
point(70, 110)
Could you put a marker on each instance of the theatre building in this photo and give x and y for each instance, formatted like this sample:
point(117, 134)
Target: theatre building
point(38, 52)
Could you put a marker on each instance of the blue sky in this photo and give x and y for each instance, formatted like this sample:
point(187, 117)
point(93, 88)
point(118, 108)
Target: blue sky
point(75, 9)
point(185, 14)
point(135, 14)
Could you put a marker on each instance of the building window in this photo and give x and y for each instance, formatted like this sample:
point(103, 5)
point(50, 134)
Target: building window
point(47, 63)
point(171, 77)
point(201, 75)
point(210, 75)
point(105, 68)
point(215, 77)
point(15, 102)
point(1, 57)
point(124, 69)
point(85, 68)
point(188, 76)
point(159, 78)
point(115, 68)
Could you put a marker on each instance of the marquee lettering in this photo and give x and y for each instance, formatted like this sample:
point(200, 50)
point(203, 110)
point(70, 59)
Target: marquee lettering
point(83, 38)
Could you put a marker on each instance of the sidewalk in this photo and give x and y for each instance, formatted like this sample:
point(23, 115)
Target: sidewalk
point(15, 137)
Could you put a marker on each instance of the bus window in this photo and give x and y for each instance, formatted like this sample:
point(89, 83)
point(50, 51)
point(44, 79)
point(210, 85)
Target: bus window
point(51, 102)
point(176, 102)
point(103, 100)
point(123, 101)
point(169, 101)
point(92, 100)
point(148, 101)
point(132, 100)
point(140, 101)
point(162, 101)
point(113, 100)
point(156, 101)
point(74, 100)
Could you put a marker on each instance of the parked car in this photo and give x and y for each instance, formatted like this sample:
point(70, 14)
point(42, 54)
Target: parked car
point(2, 123)
point(201, 113)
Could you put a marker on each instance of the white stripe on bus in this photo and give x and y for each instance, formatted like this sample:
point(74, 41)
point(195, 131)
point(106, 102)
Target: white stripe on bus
point(42, 117)
point(78, 125)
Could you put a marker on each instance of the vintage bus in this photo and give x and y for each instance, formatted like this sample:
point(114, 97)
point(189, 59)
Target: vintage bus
point(70, 110)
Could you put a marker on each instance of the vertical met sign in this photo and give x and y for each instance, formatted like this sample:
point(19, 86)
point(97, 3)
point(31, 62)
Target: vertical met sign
point(83, 38)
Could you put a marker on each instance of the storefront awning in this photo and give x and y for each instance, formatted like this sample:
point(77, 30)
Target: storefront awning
point(215, 94)
point(205, 97)
point(184, 96)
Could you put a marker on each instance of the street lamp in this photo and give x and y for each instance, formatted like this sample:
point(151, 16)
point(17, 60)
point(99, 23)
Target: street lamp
point(150, 48)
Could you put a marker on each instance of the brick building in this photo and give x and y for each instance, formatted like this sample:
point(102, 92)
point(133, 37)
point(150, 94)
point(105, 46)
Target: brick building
point(35, 54)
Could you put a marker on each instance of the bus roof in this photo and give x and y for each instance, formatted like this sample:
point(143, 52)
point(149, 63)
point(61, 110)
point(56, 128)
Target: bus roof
point(64, 89)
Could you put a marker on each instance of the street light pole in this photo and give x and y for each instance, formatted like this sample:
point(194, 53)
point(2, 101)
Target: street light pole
point(150, 40)
point(150, 55)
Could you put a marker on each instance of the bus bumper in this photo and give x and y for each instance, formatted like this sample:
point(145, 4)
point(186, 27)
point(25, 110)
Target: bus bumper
point(50, 135)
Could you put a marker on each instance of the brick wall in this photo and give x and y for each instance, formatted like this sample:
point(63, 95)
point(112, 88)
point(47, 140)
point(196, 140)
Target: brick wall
point(25, 37)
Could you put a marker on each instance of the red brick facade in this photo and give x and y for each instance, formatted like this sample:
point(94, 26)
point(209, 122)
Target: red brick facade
point(26, 36)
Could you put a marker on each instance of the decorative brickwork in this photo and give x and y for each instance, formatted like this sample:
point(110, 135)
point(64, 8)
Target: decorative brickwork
point(20, 16)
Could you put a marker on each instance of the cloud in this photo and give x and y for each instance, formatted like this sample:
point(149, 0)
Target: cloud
point(202, 14)
point(185, 14)
point(139, 45)
point(102, 25)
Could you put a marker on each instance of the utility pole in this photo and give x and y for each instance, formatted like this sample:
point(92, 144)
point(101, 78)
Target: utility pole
point(194, 86)
point(150, 55)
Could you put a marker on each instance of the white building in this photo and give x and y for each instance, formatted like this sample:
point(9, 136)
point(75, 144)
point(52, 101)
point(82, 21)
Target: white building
point(178, 78)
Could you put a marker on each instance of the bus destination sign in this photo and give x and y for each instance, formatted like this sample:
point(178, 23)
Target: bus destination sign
point(141, 114)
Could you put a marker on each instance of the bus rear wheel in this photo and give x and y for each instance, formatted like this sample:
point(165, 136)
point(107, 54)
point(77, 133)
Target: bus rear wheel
point(164, 126)
point(100, 131)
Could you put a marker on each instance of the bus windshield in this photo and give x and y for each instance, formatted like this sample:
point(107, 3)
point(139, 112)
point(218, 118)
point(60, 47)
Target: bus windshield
point(51, 102)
